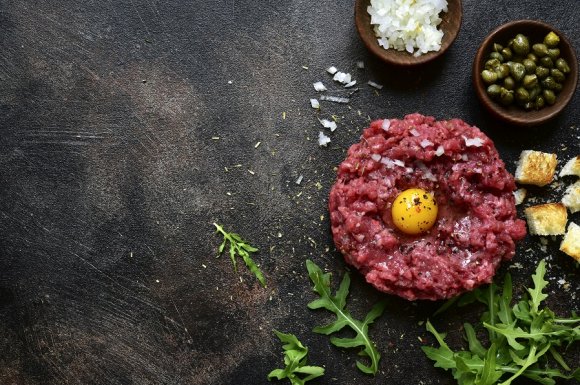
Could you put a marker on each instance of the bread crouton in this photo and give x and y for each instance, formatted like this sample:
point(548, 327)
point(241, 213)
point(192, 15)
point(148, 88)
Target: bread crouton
point(536, 167)
point(571, 242)
point(571, 198)
point(572, 167)
point(547, 219)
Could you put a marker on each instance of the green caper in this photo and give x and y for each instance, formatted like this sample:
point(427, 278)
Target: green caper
point(552, 39)
point(494, 90)
point(496, 55)
point(557, 75)
point(549, 96)
point(547, 61)
point(521, 45)
point(539, 102)
point(522, 95)
point(492, 64)
point(549, 83)
point(532, 57)
point(497, 47)
point(509, 83)
point(517, 71)
point(506, 97)
point(530, 66)
point(502, 71)
point(534, 92)
point(542, 72)
point(554, 53)
point(530, 81)
point(562, 65)
point(489, 76)
point(540, 49)
point(507, 53)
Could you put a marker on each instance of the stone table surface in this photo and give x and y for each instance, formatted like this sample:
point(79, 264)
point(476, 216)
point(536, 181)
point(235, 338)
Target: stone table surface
point(127, 128)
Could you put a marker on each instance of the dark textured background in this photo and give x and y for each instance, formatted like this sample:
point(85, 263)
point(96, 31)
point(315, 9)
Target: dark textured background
point(111, 178)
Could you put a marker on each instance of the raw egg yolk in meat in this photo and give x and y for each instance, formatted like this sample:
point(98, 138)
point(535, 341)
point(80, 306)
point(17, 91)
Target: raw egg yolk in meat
point(414, 211)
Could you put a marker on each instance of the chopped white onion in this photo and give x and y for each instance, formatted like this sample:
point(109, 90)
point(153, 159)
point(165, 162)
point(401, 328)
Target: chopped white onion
point(375, 85)
point(342, 77)
point(386, 124)
point(328, 124)
point(473, 142)
point(319, 86)
point(331, 70)
point(350, 84)
point(414, 132)
point(426, 143)
point(408, 25)
point(399, 163)
point(427, 174)
point(376, 157)
point(440, 151)
point(335, 99)
point(387, 162)
point(314, 103)
point(323, 140)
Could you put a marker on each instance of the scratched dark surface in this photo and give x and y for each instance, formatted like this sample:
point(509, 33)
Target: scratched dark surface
point(128, 127)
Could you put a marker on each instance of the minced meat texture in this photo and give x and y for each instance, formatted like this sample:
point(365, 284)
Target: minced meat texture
point(476, 225)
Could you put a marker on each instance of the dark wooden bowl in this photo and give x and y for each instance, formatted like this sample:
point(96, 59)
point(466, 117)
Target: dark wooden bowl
point(535, 31)
point(450, 26)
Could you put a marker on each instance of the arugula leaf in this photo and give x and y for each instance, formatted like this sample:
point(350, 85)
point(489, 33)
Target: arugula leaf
point(240, 248)
point(336, 304)
point(295, 359)
point(520, 338)
point(536, 294)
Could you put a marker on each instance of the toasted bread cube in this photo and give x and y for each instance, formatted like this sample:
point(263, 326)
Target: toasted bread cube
point(572, 167)
point(571, 198)
point(536, 167)
point(520, 195)
point(547, 219)
point(571, 242)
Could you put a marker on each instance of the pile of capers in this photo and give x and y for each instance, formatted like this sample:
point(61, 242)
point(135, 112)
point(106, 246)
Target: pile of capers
point(529, 76)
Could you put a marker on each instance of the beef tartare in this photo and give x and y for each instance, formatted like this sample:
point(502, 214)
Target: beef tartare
point(476, 223)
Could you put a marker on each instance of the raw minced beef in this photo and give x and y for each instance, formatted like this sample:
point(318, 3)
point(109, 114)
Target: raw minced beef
point(476, 226)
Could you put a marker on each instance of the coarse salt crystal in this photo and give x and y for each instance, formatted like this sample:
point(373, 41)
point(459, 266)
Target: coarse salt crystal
point(314, 103)
point(299, 180)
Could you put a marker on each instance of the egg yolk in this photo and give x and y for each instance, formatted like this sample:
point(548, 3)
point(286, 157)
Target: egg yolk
point(414, 211)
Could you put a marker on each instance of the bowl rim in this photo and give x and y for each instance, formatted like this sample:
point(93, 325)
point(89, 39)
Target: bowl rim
point(394, 57)
point(517, 116)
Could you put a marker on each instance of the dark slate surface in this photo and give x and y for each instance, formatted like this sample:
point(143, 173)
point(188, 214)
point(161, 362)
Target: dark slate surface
point(111, 175)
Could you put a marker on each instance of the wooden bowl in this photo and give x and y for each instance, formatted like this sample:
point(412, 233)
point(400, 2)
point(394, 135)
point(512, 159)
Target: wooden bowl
point(450, 26)
point(535, 31)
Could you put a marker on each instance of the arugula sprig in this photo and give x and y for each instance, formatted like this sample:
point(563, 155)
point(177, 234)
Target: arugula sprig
point(295, 359)
point(522, 338)
point(240, 248)
point(336, 304)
